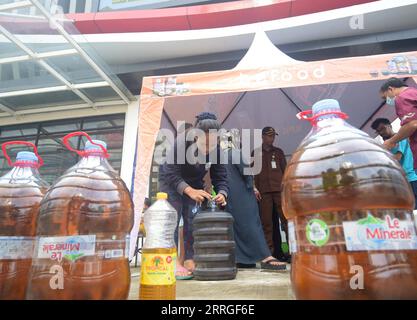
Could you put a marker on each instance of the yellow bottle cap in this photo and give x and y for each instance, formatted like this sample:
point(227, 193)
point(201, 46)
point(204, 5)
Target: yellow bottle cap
point(161, 196)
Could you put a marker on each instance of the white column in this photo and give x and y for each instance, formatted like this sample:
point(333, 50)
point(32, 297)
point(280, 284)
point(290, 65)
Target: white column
point(129, 142)
point(16, 71)
point(32, 11)
point(72, 6)
point(47, 4)
point(128, 158)
point(88, 6)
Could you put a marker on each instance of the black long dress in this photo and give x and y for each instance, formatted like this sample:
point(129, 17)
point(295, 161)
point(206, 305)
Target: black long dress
point(251, 245)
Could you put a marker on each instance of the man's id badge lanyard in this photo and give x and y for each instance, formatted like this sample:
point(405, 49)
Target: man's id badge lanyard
point(273, 162)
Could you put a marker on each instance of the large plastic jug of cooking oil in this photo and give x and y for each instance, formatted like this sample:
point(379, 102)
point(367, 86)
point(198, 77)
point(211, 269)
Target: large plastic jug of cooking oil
point(159, 254)
point(214, 245)
point(21, 192)
point(83, 227)
point(350, 212)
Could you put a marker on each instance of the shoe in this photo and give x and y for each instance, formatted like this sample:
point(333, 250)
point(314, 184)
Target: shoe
point(269, 266)
point(186, 274)
point(284, 258)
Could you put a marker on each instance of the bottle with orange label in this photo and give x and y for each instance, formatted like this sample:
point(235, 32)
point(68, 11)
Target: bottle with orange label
point(159, 253)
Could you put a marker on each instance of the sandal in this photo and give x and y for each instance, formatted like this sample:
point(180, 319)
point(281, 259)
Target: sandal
point(269, 266)
point(182, 277)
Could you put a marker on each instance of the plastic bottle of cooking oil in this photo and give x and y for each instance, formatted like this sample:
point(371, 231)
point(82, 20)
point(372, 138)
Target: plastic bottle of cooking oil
point(83, 226)
point(21, 192)
point(349, 207)
point(159, 253)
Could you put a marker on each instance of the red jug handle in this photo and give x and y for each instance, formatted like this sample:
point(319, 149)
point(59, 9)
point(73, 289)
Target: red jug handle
point(65, 140)
point(9, 161)
point(304, 115)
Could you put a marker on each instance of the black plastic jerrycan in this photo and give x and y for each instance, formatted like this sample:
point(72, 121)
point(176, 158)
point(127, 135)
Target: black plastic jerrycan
point(214, 245)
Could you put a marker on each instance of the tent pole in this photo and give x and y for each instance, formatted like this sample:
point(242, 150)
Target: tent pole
point(372, 115)
point(169, 120)
point(291, 100)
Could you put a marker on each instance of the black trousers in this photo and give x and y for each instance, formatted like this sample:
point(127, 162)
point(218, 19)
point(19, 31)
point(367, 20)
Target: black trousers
point(273, 220)
point(276, 234)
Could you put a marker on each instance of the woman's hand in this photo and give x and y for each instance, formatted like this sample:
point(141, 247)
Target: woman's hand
point(257, 194)
point(220, 200)
point(197, 195)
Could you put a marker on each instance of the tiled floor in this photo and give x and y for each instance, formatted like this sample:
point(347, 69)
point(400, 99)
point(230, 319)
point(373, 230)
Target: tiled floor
point(250, 284)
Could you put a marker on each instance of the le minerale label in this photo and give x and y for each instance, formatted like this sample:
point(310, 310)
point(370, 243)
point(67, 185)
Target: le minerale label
point(372, 233)
point(70, 248)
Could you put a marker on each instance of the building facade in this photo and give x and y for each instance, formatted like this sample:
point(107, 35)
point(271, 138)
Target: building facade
point(88, 75)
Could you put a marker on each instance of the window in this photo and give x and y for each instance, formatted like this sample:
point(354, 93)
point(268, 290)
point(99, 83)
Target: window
point(47, 136)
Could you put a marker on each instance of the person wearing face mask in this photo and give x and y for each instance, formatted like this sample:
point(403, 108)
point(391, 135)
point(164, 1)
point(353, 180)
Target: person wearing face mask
point(183, 180)
point(397, 94)
point(402, 152)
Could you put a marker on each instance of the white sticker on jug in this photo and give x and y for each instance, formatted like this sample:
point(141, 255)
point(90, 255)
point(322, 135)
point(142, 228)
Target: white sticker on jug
point(70, 248)
point(14, 248)
point(372, 233)
point(127, 248)
point(115, 253)
point(291, 235)
point(415, 217)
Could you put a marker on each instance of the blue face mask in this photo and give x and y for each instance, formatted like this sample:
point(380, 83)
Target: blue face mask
point(390, 101)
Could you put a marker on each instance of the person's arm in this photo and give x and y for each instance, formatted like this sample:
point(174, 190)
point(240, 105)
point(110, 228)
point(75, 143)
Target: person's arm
point(256, 177)
point(172, 173)
point(282, 161)
point(173, 177)
point(408, 123)
point(405, 132)
point(218, 175)
point(399, 150)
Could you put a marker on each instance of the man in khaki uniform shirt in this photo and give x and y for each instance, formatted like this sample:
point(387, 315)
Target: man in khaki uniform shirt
point(268, 191)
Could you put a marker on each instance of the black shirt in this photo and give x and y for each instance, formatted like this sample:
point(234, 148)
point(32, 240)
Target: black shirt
point(179, 176)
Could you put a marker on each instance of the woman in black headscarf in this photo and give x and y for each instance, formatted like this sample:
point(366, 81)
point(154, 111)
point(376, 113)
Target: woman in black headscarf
point(251, 246)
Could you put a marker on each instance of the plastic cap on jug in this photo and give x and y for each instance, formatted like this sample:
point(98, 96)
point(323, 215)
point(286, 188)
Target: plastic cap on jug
point(325, 105)
point(26, 159)
point(26, 156)
point(89, 146)
point(161, 196)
